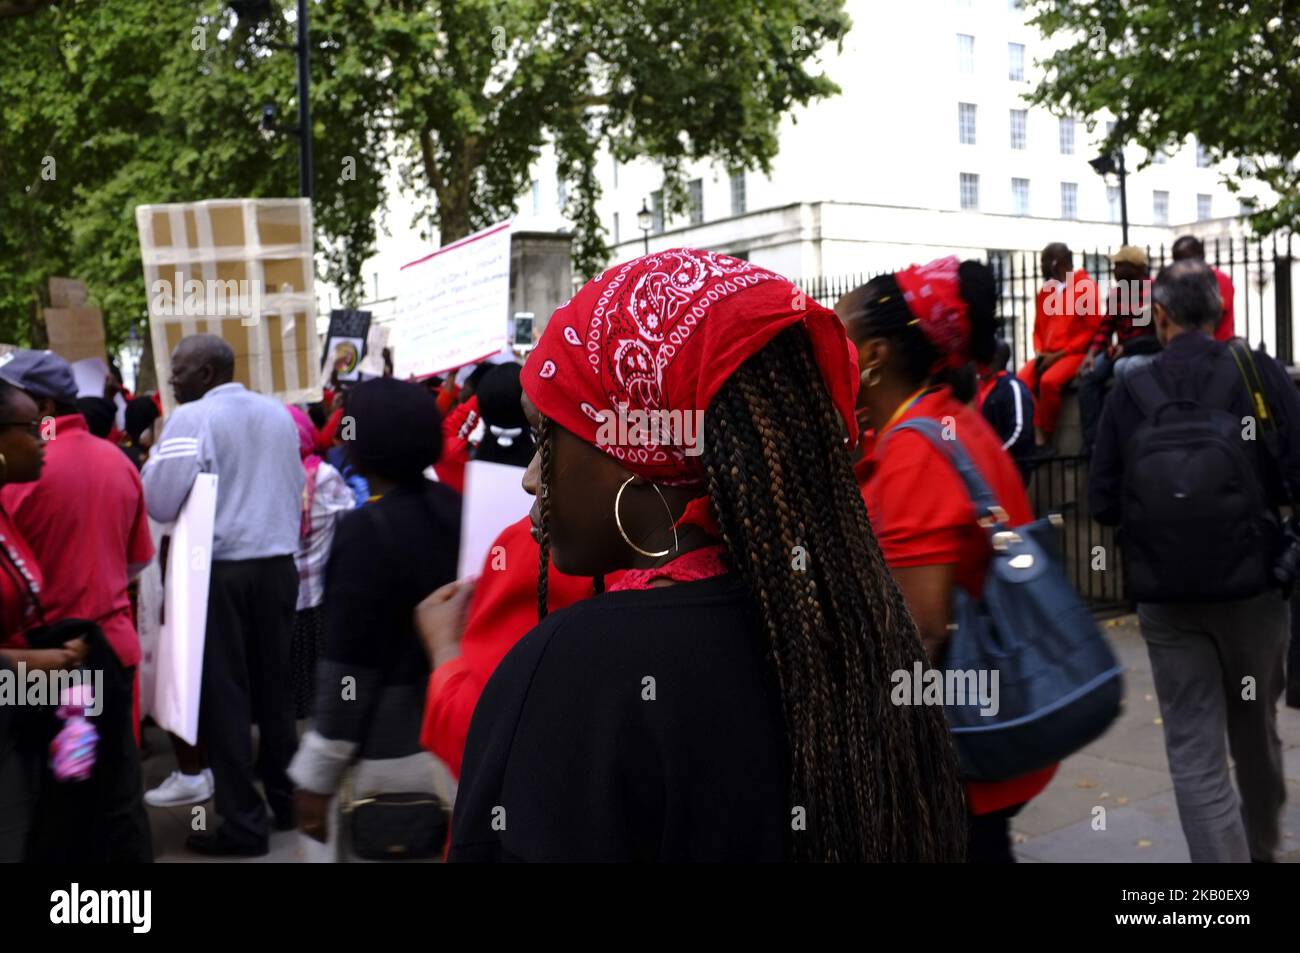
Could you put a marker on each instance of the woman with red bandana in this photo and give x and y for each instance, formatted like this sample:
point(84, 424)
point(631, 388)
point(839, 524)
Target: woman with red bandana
point(1067, 313)
point(728, 698)
point(910, 330)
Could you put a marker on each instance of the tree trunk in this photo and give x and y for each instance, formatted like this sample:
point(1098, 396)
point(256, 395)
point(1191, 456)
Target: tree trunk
point(146, 378)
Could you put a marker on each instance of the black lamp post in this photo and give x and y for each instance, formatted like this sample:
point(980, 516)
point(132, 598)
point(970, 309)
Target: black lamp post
point(257, 11)
point(645, 219)
point(1104, 165)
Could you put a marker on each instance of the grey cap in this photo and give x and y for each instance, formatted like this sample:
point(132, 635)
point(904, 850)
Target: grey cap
point(39, 373)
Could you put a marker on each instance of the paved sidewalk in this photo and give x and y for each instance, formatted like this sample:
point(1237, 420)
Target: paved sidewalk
point(1125, 772)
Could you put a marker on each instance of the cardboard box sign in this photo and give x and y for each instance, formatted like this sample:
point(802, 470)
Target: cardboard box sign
point(67, 293)
point(242, 269)
point(75, 333)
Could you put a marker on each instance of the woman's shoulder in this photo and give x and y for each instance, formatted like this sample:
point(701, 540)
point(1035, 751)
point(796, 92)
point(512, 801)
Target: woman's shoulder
point(674, 627)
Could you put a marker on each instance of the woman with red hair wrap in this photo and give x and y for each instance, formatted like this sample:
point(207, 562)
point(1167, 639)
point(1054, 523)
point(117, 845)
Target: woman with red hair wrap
point(728, 698)
point(912, 330)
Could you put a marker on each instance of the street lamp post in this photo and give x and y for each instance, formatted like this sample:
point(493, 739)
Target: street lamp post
point(304, 104)
point(645, 219)
point(259, 10)
point(1105, 164)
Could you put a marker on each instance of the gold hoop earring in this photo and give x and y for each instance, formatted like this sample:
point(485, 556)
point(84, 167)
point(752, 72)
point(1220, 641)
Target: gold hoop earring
point(868, 380)
point(618, 498)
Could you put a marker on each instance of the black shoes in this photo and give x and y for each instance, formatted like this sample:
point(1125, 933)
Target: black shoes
point(215, 845)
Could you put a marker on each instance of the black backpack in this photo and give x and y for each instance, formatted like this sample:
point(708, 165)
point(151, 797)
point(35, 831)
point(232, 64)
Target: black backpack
point(1197, 524)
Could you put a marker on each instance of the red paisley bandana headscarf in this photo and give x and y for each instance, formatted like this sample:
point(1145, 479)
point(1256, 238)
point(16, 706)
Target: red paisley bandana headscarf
point(664, 332)
point(932, 293)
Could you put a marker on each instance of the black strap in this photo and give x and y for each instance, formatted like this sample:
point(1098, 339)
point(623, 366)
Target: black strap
point(1244, 358)
point(1146, 390)
point(981, 496)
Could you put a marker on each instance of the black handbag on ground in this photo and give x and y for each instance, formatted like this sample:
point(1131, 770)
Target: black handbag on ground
point(396, 826)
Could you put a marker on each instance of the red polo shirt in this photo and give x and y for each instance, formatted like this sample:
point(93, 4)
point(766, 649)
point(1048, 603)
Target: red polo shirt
point(922, 516)
point(85, 521)
point(17, 608)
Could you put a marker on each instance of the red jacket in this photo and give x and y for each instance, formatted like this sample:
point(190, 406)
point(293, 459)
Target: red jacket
point(1226, 329)
point(456, 428)
point(1073, 318)
point(502, 611)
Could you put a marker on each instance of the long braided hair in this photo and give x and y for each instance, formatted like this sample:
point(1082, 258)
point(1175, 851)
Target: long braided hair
point(878, 782)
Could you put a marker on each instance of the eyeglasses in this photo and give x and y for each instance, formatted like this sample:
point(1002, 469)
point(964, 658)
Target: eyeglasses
point(33, 426)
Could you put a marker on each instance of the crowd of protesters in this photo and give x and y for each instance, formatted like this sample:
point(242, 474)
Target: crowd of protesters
point(682, 652)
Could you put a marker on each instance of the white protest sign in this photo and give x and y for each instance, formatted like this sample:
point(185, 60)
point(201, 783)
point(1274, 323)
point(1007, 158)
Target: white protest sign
point(452, 305)
point(178, 675)
point(494, 498)
point(89, 375)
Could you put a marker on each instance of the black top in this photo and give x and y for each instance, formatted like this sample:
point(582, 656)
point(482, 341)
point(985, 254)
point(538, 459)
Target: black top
point(1186, 368)
point(385, 558)
point(639, 725)
point(1009, 409)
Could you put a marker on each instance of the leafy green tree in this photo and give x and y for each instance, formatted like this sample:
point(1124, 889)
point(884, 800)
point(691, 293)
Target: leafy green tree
point(1224, 71)
point(138, 102)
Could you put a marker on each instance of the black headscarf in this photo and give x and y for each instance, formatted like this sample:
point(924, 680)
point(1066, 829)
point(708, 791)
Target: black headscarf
point(397, 430)
point(140, 414)
point(506, 436)
point(99, 414)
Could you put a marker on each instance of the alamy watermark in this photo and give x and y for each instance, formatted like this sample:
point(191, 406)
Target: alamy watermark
point(934, 686)
point(1123, 296)
point(18, 686)
point(210, 298)
point(653, 428)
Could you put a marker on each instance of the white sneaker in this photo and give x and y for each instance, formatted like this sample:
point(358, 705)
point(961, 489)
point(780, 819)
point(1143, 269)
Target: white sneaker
point(181, 789)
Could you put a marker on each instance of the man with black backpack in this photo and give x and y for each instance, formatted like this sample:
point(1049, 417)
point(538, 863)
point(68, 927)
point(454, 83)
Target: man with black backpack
point(1196, 453)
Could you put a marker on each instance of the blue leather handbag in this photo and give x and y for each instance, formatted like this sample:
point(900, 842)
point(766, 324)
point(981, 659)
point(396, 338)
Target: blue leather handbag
point(1058, 685)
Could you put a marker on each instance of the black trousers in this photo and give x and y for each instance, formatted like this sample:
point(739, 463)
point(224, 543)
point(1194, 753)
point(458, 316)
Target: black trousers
point(988, 836)
point(247, 680)
point(1293, 654)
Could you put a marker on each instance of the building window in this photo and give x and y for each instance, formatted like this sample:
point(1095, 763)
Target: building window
point(1069, 200)
point(1204, 207)
point(1245, 206)
point(695, 189)
point(966, 124)
point(617, 234)
point(1020, 196)
point(1202, 157)
point(657, 208)
point(537, 196)
point(965, 54)
point(1067, 136)
point(1016, 62)
point(738, 194)
point(970, 192)
point(1160, 207)
point(562, 192)
point(1110, 126)
point(1019, 118)
point(1112, 202)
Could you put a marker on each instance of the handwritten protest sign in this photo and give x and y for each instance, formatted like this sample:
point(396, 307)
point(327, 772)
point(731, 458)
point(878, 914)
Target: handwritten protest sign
point(453, 305)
